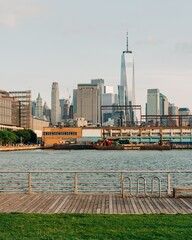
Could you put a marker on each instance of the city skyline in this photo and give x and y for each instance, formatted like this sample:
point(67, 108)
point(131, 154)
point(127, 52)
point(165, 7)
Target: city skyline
point(72, 43)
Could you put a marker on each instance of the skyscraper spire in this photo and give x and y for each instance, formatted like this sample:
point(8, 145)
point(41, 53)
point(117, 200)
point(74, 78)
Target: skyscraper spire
point(127, 43)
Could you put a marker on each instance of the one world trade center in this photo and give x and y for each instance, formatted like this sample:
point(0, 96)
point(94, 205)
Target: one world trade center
point(126, 89)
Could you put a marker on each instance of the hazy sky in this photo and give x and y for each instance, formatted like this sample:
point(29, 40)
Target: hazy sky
point(73, 41)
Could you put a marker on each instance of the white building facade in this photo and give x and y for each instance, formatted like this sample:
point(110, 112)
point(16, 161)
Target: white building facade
point(55, 104)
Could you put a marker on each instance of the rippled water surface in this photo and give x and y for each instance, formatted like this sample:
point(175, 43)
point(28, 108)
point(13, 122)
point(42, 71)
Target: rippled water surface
point(96, 160)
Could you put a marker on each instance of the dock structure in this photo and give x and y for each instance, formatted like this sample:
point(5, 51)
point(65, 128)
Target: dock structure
point(93, 204)
point(97, 192)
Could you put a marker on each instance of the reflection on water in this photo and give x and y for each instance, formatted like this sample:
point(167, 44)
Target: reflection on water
point(96, 160)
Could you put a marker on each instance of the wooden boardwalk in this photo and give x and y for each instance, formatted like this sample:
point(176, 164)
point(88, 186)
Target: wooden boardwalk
point(97, 204)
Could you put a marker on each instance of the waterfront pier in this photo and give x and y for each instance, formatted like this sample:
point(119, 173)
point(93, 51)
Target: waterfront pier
point(105, 192)
point(93, 204)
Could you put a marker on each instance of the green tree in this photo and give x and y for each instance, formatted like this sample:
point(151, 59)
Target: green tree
point(33, 138)
point(26, 136)
point(8, 137)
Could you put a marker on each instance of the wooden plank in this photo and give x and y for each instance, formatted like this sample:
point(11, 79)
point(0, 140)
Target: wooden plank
point(8, 201)
point(152, 210)
point(174, 205)
point(119, 203)
point(34, 200)
point(47, 200)
point(83, 205)
point(157, 206)
point(36, 204)
point(165, 206)
point(95, 204)
point(73, 204)
point(88, 204)
point(70, 203)
point(23, 203)
point(71, 199)
point(63, 204)
point(129, 205)
point(66, 202)
point(111, 204)
point(184, 208)
point(56, 203)
point(15, 203)
point(134, 206)
point(103, 203)
point(141, 202)
point(125, 207)
point(48, 203)
point(31, 200)
point(187, 204)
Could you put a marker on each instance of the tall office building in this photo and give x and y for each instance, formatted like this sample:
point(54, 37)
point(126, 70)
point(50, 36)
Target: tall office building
point(126, 89)
point(25, 113)
point(55, 104)
point(9, 109)
point(164, 105)
point(74, 103)
point(173, 112)
point(64, 104)
point(100, 82)
point(153, 106)
point(184, 118)
point(88, 102)
point(46, 112)
point(153, 102)
point(33, 108)
point(39, 107)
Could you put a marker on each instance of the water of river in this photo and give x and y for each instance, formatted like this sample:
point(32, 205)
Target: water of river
point(96, 160)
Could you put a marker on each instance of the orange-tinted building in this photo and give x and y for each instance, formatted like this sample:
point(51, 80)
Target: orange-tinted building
point(54, 135)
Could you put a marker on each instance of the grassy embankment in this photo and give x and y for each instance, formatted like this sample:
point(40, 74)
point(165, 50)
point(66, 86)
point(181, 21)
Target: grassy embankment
point(79, 226)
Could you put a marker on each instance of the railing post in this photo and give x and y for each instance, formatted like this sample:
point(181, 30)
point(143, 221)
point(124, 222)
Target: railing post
point(122, 185)
point(75, 184)
point(29, 184)
point(168, 184)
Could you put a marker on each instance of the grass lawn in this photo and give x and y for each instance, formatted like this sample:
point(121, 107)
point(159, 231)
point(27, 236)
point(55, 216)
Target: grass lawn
point(79, 226)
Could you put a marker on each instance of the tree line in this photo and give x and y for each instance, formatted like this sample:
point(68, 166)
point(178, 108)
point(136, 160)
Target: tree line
point(17, 137)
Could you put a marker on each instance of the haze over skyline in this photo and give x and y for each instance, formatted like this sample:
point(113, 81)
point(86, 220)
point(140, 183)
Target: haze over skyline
point(71, 42)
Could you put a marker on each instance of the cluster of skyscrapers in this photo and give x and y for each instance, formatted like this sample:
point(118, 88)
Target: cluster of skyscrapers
point(94, 104)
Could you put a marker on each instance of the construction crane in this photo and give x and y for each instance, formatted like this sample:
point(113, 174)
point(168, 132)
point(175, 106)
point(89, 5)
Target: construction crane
point(69, 96)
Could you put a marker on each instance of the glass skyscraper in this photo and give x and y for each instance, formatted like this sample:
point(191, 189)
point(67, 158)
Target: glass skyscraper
point(127, 83)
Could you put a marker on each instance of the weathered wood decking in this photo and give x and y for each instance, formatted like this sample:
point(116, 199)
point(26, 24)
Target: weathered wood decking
point(106, 204)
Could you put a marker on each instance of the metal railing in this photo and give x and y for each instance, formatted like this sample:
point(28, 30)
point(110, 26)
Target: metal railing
point(130, 183)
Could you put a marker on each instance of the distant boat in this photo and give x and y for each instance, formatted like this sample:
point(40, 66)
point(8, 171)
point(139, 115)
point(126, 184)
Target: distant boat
point(133, 147)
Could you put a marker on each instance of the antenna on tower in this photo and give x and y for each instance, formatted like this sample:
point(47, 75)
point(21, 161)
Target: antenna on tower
point(127, 49)
point(127, 45)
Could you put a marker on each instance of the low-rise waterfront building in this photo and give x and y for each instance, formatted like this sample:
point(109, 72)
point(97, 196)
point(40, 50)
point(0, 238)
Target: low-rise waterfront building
point(174, 135)
point(60, 135)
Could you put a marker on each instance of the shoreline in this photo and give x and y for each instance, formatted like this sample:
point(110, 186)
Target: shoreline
point(89, 147)
point(19, 148)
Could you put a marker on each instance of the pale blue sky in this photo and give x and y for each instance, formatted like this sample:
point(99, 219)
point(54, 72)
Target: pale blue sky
point(73, 41)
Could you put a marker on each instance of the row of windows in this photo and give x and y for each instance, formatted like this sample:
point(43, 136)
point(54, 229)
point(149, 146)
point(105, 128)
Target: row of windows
point(5, 103)
point(60, 133)
point(5, 111)
point(5, 120)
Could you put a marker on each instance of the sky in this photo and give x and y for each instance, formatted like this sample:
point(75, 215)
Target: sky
point(74, 41)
